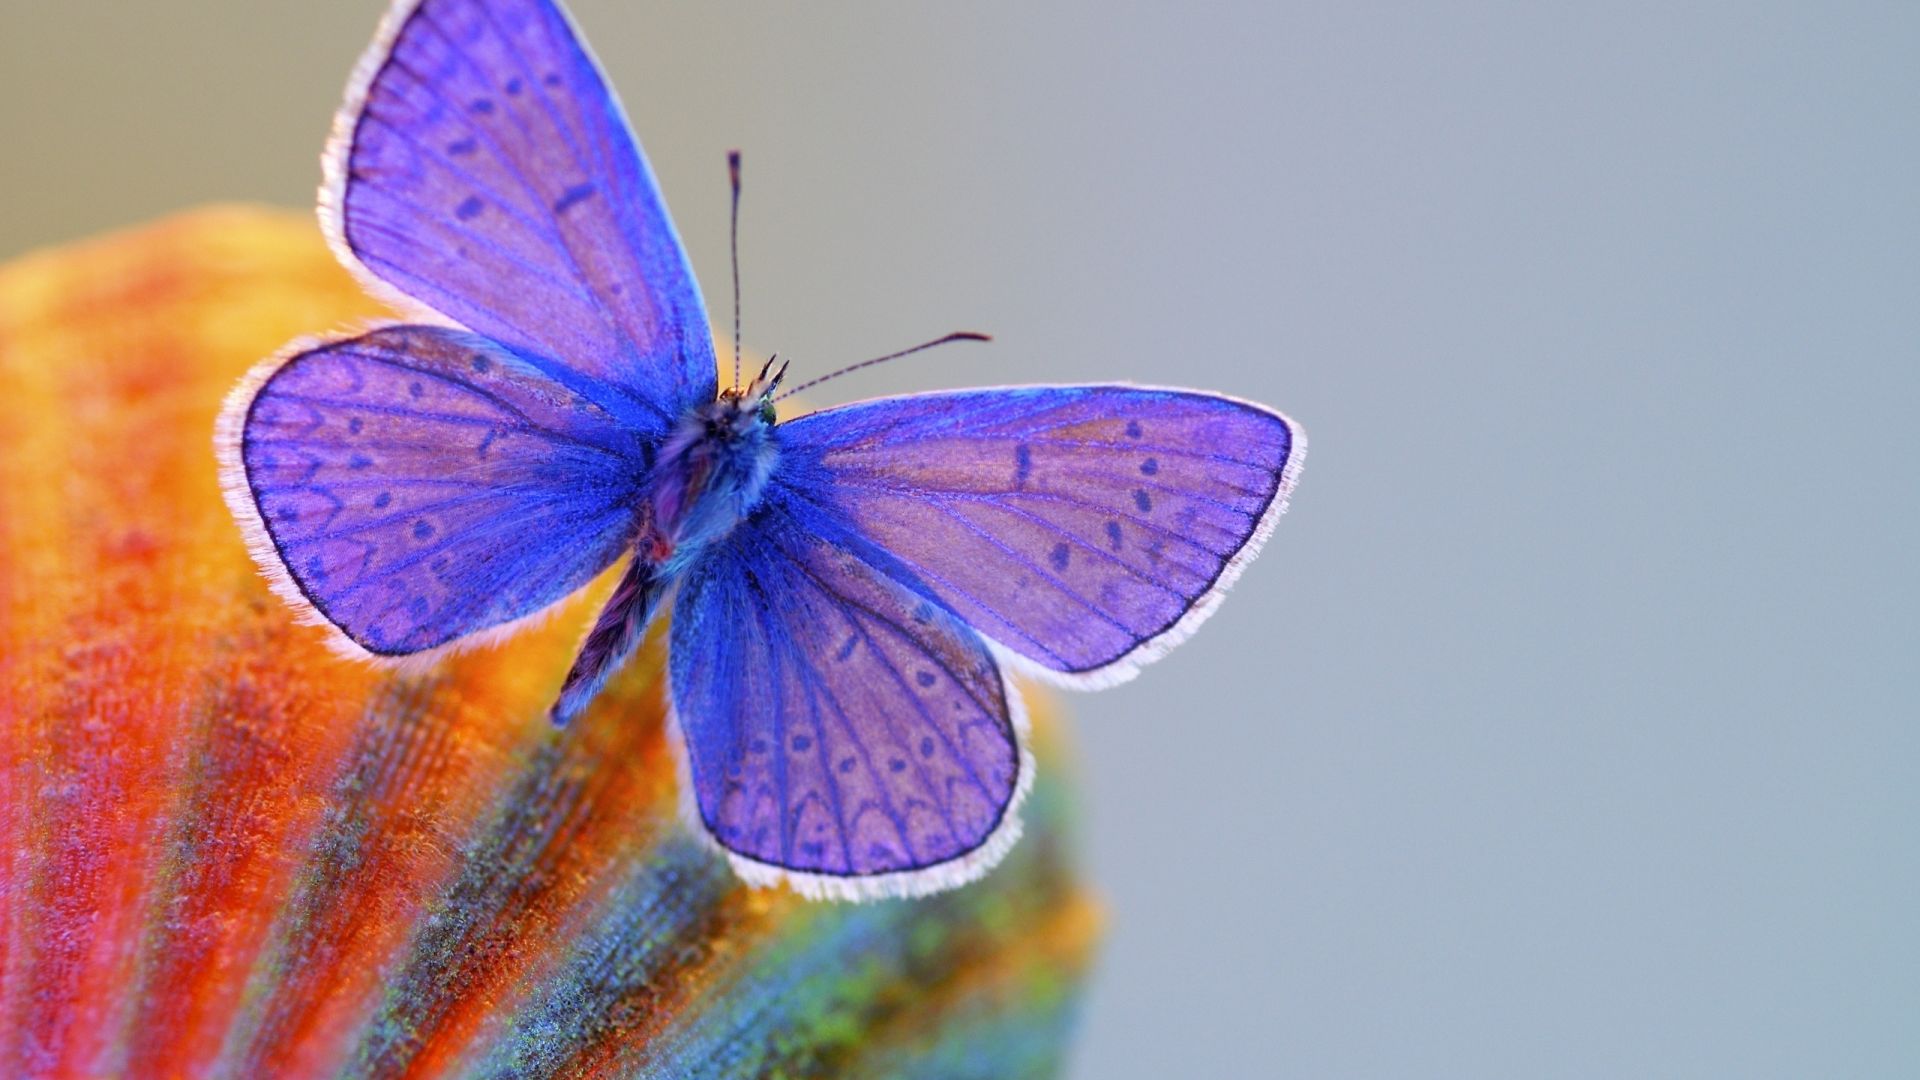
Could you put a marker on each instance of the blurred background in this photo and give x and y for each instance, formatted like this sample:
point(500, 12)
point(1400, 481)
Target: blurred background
point(1568, 726)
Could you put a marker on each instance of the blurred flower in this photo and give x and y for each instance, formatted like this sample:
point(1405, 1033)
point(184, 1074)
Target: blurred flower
point(228, 853)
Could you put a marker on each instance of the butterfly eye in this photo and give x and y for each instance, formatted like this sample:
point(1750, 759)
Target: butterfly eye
point(766, 411)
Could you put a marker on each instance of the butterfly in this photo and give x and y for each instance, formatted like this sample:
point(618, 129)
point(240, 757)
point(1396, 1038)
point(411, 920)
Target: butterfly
point(849, 589)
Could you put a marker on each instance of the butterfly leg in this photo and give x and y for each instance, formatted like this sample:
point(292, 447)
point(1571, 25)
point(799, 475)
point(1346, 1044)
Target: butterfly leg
point(614, 637)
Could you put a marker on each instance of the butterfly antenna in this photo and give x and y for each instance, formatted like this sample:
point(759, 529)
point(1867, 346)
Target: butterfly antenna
point(733, 240)
point(964, 335)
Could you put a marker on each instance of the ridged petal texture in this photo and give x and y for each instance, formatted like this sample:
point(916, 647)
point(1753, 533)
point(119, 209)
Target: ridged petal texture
point(229, 854)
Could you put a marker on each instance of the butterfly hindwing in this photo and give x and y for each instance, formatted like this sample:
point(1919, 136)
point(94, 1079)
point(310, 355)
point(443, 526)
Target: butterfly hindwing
point(842, 732)
point(1084, 528)
point(482, 167)
point(418, 485)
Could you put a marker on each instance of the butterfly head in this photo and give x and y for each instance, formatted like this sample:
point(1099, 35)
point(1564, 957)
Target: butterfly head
point(732, 436)
point(741, 409)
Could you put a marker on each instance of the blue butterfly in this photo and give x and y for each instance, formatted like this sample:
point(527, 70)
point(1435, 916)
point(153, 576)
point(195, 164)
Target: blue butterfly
point(850, 588)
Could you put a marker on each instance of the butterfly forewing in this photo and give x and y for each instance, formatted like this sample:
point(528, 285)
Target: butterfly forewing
point(1080, 527)
point(418, 485)
point(842, 731)
point(484, 169)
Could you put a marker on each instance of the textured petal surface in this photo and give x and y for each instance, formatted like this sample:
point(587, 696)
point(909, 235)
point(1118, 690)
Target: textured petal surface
point(485, 170)
point(420, 485)
point(1079, 526)
point(838, 724)
point(229, 854)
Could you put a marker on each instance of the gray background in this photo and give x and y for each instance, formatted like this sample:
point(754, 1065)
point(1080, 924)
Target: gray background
point(1566, 728)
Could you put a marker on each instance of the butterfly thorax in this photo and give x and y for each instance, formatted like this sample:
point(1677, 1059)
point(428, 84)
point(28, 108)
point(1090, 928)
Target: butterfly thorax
point(710, 474)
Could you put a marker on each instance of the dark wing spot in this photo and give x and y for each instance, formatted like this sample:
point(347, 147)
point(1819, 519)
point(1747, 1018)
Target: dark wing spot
point(1022, 465)
point(315, 570)
point(462, 147)
point(1113, 535)
point(926, 746)
point(846, 649)
point(573, 197)
point(513, 86)
point(422, 529)
point(897, 765)
point(552, 78)
point(483, 106)
point(814, 849)
point(1133, 429)
point(757, 746)
point(381, 500)
point(359, 461)
point(287, 514)
point(801, 744)
point(846, 765)
point(354, 425)
point(417, 607)
point(1150, 466)
point(481, 363)
point(469, 208)
point(1142, 500)
point(1059, 556)
point(924, 678)
point(487, 443)
point(416, 390)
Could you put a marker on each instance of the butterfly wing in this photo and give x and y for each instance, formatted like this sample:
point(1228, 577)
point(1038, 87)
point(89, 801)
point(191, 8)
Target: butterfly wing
point(1085, 529)
point(417, 485)
point(482, 167)
point(842, 733)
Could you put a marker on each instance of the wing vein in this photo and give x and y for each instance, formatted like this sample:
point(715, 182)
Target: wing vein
point(989, 497)
point(900, 680)
point(923, 570)
point(519, 174)
point(1035, 567)
point(893, 812)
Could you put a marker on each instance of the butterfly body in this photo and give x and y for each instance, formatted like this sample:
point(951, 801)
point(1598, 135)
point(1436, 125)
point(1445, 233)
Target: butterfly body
point(710, 475)
point(850, 589)
point(707, 478)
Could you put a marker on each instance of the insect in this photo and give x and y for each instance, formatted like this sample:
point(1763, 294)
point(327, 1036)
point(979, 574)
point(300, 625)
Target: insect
point(849, 589)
